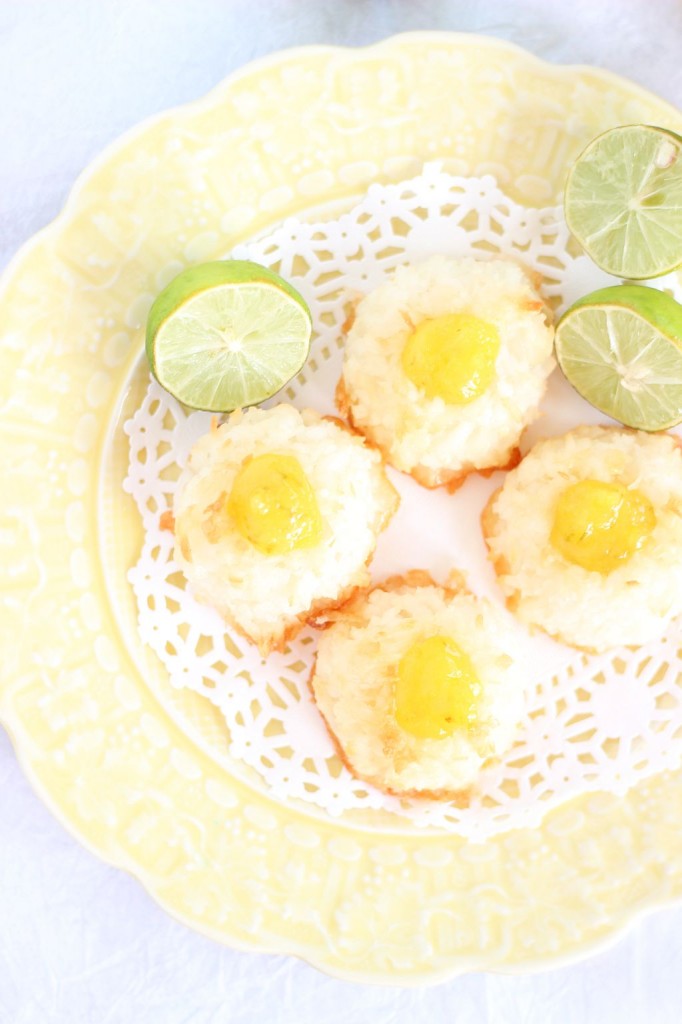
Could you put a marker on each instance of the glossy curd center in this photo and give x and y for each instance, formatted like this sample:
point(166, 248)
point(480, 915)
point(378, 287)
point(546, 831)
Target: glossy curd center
point(273, 505)
point(452, 357)
point(599, 525)
point(436, 689)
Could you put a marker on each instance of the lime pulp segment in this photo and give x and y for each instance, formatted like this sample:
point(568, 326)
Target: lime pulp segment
point(623, 364)
point(231, 345)
point(623, 201)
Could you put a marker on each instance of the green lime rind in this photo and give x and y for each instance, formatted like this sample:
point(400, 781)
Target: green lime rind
point(208, 275)
point(623, 201)
point(226, 335)
point(656, 306)
point(621, 349)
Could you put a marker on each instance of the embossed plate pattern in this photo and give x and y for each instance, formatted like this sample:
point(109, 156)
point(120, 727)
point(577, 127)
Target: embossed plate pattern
point(301, 129)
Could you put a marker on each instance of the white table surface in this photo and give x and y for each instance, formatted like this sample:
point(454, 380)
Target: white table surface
point(80, 941)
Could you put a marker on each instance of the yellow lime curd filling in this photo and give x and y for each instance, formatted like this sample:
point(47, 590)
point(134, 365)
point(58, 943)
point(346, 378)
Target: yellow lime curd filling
point(599, 525)
point(452, 357)
point(273, 505)
point(437, 689)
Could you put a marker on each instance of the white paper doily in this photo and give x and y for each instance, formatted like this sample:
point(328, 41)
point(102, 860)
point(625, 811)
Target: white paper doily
point(593, 722)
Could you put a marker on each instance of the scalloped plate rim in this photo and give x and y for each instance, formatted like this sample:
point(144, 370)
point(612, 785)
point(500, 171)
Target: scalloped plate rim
point(628, 919)
point(626, 925)
point(277, 56)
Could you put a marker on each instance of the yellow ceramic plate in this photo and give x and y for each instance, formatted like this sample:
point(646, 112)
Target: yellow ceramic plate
point(284, 135)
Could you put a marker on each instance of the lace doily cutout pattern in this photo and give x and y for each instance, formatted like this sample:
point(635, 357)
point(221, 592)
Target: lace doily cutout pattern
point(593, 723)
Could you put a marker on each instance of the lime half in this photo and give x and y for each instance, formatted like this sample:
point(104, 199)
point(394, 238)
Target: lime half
point(228, 334)
point(621, 349)
point(623, 201)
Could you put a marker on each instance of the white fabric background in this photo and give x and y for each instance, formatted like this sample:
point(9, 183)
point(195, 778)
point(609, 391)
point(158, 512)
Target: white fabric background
point(81, 943)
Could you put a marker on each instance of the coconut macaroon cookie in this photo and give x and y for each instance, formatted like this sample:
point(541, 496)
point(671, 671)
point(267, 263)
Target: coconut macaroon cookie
point(445, 365)
point(418, 686)
point(279, 519)
point(586, 536)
